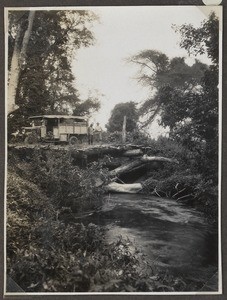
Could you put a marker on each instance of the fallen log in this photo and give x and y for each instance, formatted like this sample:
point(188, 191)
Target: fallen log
point(135, 152)
point(140, 162)
point(147, 158)
point(132, 188)
point(97, 151)
point(126, 167)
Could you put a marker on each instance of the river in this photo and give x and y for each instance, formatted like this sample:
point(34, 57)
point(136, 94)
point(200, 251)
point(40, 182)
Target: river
point(174, 237)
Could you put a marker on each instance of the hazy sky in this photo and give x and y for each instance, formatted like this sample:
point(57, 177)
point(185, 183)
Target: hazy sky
point(122, 32)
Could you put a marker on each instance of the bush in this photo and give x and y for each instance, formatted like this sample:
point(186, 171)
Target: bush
point(64, 183)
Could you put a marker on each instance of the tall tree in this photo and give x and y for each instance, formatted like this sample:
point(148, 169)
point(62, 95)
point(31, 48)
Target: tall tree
point(186, 97)
point(204, 122)
point(201, 40)
point(46, 82)
point(169, 82)
point(87, 107)
point(116, 119)
point(18, 58)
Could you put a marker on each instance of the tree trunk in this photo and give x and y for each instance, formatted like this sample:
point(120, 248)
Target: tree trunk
point(126, 168)
point(14, 74)
point(134, 152)
point(139, 162)
point(133, 188)
point(124, 130)
point(147, 158)
point(27, 34)
point(18, 59)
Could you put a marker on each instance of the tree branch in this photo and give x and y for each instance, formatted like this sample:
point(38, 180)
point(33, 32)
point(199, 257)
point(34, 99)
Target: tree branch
point(144, 64)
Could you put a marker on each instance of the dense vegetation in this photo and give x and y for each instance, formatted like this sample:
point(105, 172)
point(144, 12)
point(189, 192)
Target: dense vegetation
point(46, 83)
point(46, 254)
point(49, 251)
point(184, 181)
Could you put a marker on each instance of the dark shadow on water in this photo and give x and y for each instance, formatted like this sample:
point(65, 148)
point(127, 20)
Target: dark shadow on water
point(173, 237)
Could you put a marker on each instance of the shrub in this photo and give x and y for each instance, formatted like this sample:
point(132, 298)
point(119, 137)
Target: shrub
point(64, 183)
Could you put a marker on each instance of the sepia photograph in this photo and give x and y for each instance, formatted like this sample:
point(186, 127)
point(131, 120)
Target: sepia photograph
point(113, 150)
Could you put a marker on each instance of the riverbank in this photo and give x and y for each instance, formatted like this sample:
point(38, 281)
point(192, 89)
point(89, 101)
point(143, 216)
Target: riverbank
point(48, 250)
point(47, 254)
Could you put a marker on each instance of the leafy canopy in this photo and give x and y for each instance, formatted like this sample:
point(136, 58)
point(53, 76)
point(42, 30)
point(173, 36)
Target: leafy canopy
point(183, 95)
point(169, 81)
point(201, 40)
point(46, 83)
point(120, 110)
point(204, 120)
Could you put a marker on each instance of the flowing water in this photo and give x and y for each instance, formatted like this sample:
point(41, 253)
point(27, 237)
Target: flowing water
point(174, 237)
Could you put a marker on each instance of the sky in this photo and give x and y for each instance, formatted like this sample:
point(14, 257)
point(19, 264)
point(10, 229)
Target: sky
point(122, 32)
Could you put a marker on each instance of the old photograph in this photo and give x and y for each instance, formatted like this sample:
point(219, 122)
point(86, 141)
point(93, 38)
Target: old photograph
point(113, 170)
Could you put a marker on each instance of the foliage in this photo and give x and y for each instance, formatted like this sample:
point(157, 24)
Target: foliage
point(120, 110)
point(87, 107)
point(66, 184)
point(201, 40)
point(184, 181)
point(46, 83)
point(186, 97)
point(204, 106)
point(171, 83)
point(46, 254)
point(182, 93)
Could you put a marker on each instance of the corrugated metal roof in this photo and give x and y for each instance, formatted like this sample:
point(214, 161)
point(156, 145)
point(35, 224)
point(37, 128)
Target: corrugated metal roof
point(58, 117)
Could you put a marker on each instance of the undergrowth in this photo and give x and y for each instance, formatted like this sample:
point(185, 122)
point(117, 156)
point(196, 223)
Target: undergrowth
point(65, 184)
point(44, 254)
point(186, 181)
